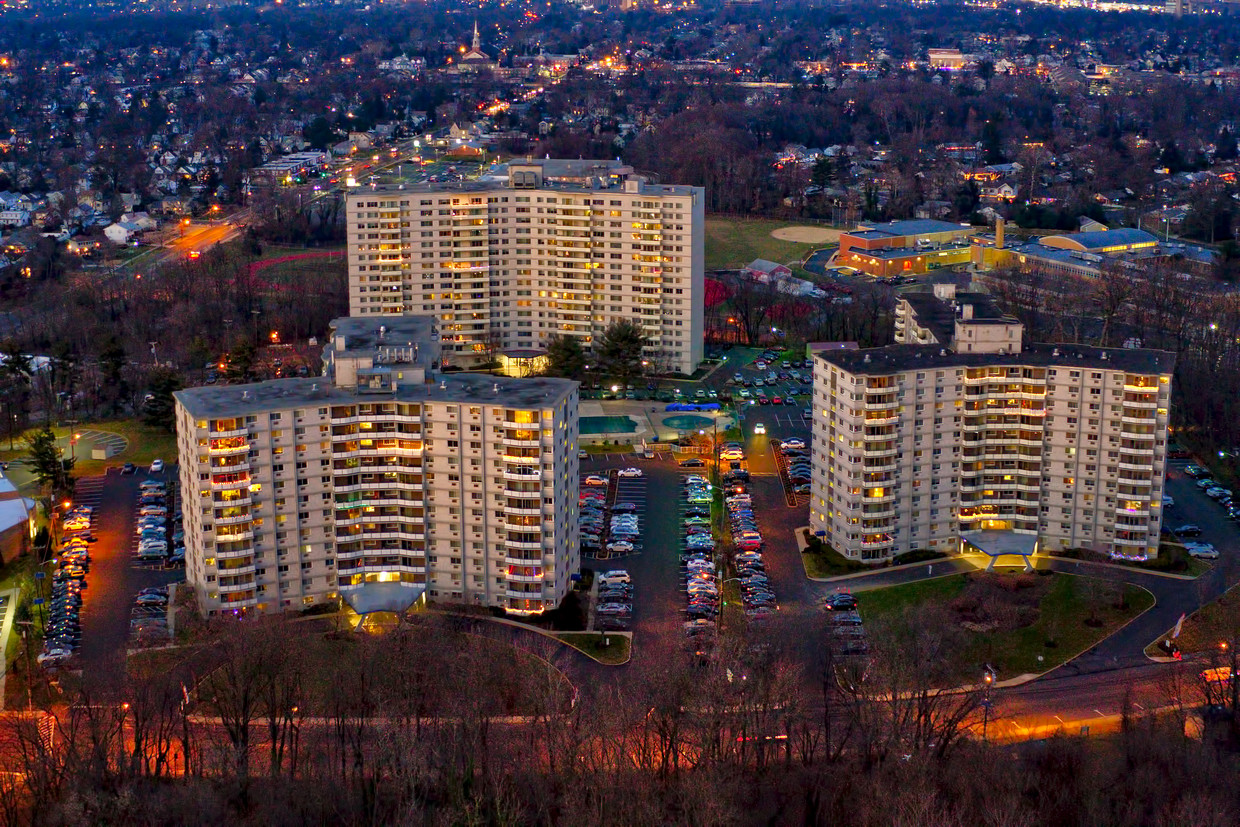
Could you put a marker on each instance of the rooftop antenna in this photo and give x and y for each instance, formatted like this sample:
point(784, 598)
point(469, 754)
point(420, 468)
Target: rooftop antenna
point(495, 388)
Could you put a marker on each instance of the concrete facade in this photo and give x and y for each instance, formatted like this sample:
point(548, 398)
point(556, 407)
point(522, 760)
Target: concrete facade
point(915, 444)
point(560, 247)
point(380, 482)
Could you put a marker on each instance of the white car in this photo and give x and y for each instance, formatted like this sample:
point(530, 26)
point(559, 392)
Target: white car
point(157, 466)
point(630, 472)
point(793, 443)
point(592, 480)
point(53, 656)
point(1205, 551)
point(608, 578)
point(620, 547)
point(759, 428)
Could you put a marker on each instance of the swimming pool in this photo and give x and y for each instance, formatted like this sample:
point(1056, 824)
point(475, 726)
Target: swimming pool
point(688, 422)
point(605, 425)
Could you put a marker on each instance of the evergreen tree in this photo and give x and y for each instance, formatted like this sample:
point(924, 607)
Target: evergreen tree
point(1225, 146)
point(619, 351)
point(159, 410)
point(49, 467)
point(566, 358)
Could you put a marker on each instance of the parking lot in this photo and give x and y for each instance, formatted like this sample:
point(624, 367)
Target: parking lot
point(1193, 506)
point(114, 580)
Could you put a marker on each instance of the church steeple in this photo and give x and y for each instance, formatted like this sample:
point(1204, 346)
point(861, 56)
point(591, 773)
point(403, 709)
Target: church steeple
point(477, 38)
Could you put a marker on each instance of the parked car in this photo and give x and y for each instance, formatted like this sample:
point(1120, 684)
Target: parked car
point(1187, 530)
point(157, 466)
point(1205, 551)
point(630, 472)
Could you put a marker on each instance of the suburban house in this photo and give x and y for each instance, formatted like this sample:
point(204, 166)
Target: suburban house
point(766, 271)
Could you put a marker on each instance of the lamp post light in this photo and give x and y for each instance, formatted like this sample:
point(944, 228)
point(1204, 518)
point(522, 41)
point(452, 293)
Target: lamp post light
point(988, 681)
point(73, 447)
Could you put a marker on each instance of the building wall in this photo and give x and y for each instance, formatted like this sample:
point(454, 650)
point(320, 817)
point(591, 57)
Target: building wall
point(293, 506)
point(909, 460)
point(507, 268)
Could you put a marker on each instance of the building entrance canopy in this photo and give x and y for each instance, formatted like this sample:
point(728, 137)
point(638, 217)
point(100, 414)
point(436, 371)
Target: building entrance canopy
point(996, 544)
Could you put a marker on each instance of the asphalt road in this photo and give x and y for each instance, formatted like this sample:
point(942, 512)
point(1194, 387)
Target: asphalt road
point(113, 579)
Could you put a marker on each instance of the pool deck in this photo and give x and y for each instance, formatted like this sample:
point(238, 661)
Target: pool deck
point(648, 417)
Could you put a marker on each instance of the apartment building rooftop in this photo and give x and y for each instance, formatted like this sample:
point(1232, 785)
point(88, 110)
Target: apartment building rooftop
point(239, 400)
point(630, 186)
point(900, 358)
point(366, 335)
point(940, 314)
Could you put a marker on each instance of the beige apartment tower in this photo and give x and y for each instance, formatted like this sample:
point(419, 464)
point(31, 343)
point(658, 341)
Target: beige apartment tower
point(923, 446)
point(380, 482)
point(555, 247)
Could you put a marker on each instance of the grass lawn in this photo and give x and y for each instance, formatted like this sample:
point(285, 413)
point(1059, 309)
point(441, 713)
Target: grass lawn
point(616, 651)
point(1172, 558)
point(1204, 628)
point(820, 560)
point(1008, 620)
point(734, 242)
point(143, 445)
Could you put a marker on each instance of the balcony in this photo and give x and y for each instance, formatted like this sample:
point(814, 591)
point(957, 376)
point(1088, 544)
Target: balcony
point(240, 502)
point(380, 485)
point(869, 453)
point(877, 405)
point(247, 551)
point(230, 485)
point(381, 535)
point(525, 578)
point(239, 571)
point(1147, 467)
point(516, 595)
point(364, 519)
point(229, 450)
point(228, 434)
point(237, 587)
point(520, 443)
point(523, 561)
point(518, 476)
point(235, 520)
point(523, 495)
point(245, 603)
point(522, 460)
point(239, 537)
point(523, 546)
point(523, 512)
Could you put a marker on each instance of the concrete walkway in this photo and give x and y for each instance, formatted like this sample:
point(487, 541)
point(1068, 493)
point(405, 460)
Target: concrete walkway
point(10, 598)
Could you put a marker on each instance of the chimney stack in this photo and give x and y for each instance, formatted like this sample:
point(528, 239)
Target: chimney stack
point(999, 222)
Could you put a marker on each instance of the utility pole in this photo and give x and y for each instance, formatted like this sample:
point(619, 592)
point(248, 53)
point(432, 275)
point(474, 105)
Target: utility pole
point(26, 624)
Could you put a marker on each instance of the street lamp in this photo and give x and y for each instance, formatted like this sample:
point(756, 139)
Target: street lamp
point(988, 681)
point(73, 447)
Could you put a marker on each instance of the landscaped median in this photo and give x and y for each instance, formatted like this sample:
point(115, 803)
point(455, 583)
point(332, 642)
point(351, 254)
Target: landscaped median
point(822, 562)
point(1203, 630)
point(1172, 558)
point(608, 648)
point(1006, 620)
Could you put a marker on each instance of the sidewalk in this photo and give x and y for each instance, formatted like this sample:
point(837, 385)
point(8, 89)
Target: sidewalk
point(10, 612)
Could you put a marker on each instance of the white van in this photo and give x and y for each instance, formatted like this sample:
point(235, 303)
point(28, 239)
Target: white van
point(612, 577)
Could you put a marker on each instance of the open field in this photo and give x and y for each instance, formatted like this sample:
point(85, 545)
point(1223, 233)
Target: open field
point(1009, 620)
point(734, 242)
point(142, 444)
point(807, 235)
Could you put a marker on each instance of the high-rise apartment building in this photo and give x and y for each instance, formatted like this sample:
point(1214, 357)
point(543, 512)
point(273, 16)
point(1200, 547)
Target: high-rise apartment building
point(921, 446)
point(558, 247)
point(380, 482)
